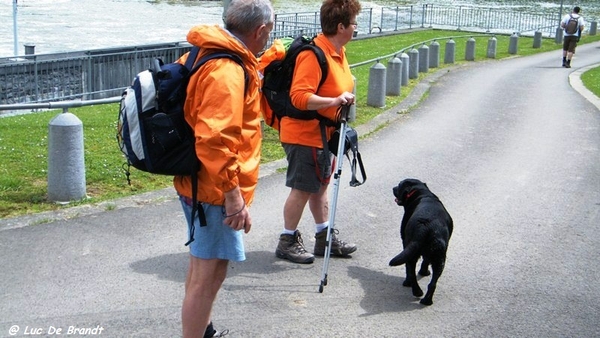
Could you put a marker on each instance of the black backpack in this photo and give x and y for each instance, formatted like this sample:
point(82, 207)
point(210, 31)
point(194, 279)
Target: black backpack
point(152, 131)
point(572, 26)
point(278, 80)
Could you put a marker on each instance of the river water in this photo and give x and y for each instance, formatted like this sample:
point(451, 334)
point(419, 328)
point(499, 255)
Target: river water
point(72, 25)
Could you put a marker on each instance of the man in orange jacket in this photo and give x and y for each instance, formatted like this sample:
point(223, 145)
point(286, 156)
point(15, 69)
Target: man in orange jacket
point(224, 112)
point(309, 167)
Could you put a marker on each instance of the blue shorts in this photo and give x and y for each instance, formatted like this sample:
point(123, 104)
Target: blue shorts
point(215, 240)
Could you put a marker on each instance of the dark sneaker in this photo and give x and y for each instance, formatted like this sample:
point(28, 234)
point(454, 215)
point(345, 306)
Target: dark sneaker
point(568, 65)
point(291, 247)
point(211, 332)
point(338, 247)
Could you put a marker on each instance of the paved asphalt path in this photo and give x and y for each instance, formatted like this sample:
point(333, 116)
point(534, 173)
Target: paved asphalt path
point(511, 148)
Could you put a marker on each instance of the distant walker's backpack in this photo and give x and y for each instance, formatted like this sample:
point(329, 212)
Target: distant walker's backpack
point(572, 26)
point(152, 131)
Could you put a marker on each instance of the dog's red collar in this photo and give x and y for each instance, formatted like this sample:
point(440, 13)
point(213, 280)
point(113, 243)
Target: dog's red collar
point(410, 193)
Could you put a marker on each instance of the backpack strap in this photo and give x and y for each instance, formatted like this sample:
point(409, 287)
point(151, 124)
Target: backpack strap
point(309, 44)
point(189, 63)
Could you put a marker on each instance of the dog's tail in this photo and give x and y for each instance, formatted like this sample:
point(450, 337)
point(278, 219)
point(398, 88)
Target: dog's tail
point(410, 252)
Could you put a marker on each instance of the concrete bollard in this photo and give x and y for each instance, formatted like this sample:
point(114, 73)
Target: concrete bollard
point(352, 111)
point(434, 54)
point(376, 90)
point(558, 37)
point(405, 65)
point(66, 168)
point(449, 55)
point(470, 50)
point(413, 66)
point(537, 39)
point(423, 59)
point(513, 45)
point(593, 28)
point(393, 77)
point(491, 48)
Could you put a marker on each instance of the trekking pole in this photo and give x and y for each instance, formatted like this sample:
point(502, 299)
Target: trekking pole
point(336, 184)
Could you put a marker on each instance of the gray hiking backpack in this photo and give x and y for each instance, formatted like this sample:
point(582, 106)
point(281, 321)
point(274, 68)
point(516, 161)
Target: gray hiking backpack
point(572, 26)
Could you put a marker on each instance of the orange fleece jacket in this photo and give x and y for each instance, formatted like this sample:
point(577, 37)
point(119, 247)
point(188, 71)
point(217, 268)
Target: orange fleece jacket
point(226, 121)
point(307, 76)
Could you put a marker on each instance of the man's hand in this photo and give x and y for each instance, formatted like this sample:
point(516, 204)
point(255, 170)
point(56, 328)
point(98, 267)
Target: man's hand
point(237, 215)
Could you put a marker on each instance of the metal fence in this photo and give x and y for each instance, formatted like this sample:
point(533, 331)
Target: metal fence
point(98, 74)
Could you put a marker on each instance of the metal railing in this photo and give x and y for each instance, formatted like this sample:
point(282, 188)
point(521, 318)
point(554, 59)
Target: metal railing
point(98, 74)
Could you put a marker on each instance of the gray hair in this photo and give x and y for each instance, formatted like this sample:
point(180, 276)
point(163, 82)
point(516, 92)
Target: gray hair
point(243, 16)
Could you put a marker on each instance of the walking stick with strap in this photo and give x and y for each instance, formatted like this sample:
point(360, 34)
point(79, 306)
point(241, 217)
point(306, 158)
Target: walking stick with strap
point(336, 184)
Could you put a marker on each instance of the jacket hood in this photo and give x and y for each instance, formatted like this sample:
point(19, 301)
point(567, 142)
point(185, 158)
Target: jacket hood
point(216, 37)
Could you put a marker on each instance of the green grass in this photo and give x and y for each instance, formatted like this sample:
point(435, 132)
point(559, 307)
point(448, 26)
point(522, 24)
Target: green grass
point(591, 79)
point(24, 140)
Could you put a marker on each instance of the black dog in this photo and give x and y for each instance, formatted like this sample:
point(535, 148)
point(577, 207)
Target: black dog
point(426, 229)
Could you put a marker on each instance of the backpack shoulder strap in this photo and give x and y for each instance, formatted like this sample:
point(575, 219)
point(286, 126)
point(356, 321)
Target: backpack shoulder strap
point(321, 59)
point(191, 62)
point(309, 43)
point(220, 54)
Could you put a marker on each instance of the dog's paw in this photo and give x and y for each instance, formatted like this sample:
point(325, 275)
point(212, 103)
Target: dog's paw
point(426, 301)
point(417, 292)
point(424, 272)
point(406, 283)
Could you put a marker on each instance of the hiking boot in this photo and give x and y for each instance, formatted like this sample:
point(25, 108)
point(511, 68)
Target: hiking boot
point(338, 247)
point(568, 65)
point(291, 247)
point(211, 332)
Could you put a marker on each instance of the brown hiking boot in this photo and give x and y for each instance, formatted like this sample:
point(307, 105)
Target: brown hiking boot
point(338, 247)
point(291, 247)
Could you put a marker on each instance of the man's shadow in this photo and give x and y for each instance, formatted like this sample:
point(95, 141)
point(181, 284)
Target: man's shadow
point(173, 267)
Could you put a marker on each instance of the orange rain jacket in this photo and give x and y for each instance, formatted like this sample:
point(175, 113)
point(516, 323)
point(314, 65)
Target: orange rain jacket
point(226, 121)
point(307, 75)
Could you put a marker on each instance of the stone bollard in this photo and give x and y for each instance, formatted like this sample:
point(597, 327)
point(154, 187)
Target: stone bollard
point(405, 65)
point(470, 50)
point(423, 59)
point(513, 45)
point(434, 54)
point(491, 48)
point(393, 77)
point(537, 39)
point(66, 168)
point(593, 28)
point(413, 69)
point(352, 111)
point(559, 35)
point(376, 90)
point(450, 52)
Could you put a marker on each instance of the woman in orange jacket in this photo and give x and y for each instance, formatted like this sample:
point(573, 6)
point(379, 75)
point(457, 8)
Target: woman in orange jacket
point(224, 112)
point(309, 166)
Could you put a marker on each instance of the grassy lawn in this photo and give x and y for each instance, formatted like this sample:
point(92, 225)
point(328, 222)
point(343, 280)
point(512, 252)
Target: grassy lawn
point(24, 138)
point(591, 79)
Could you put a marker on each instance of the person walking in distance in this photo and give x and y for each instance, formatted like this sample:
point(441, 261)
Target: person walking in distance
point(223, 108)
point(573, 25)
point(309, 166)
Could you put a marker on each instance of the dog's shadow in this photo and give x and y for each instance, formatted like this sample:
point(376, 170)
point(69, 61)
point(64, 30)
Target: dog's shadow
point(383, 292)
